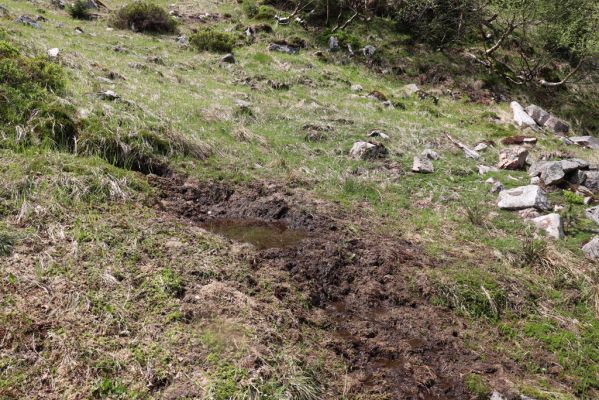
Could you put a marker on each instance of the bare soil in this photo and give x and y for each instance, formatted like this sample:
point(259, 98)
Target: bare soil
point(363, 288)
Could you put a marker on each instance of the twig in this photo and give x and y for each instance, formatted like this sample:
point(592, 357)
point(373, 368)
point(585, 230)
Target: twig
point(346, 23)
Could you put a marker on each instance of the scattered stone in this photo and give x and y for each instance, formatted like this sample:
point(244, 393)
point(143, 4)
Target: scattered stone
point(539, 115)
point(551, 224)
point(27, 20)
point(430, 154)
point(366, 150)
point(497, 187)
point(228, 58)
point(333, 43)
point(388, 104)
point(283, 48)
point(483, 169)
point(592, 214)
point(369, 51)
point(482, 146)
point(182, 40)
point(529, 213)
point(519, 139)
point(380, 134)
point(591, 249)
point(557, 126)
point(585, 141)
point(78, 30)
point(411, 89)
point(53, 52)
point(513, 158)
point(422, 165)
point(468, 152)
point(119, 49)
point(592, 181)
point(356, 88)
point(155, 60)
point(490, 181)
point(523, 197)
point(108, 95)
point(521, 118)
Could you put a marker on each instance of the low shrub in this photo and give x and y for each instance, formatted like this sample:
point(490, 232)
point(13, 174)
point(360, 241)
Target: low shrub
point(211, 40)
point(80, 10)
point(143, 16)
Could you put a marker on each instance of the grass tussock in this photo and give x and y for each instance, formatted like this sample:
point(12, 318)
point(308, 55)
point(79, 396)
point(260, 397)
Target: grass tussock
point(144, 16)
point(212, 40)
point(80, 10)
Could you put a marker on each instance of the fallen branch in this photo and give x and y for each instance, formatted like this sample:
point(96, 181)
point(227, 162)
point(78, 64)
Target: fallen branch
point(345, 24)
point(543, 82)
point(467, 150)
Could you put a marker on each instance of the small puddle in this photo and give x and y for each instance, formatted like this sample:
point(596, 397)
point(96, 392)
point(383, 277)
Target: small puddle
point(263, 235)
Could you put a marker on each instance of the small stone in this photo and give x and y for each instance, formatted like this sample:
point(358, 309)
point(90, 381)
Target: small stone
point(592, 214)
point(556, 125)
point(535, 180)
point(108, 95)
point(497, 187)
point(243, 104)
point(283, 48)
point(551, 224)
point(53, 52)
point(356, 88)
point(481, 146)
point(422, 165)
point(411, 89)
point(228, 58)
point(483, 169)
point(380, 134)
point(521, 118)
point(366, 150)
point(591, 249)
point(369, 51)
point(539, 115)
point(523, 197)
point(513, 158)
point(430, 154)
point(333, 43)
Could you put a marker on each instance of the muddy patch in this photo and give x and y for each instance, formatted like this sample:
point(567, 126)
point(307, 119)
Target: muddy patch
point(263, 235)
point(361, 287)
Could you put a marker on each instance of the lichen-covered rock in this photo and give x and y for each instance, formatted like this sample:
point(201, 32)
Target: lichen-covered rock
point(551, 224)
point(523, 197)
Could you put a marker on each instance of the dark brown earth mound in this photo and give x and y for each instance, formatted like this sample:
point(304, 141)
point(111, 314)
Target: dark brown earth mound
point(362, 289)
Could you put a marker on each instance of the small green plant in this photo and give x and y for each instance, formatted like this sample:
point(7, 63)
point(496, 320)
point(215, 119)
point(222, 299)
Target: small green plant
point(573, 198)
point(211, 40)
point(7, 243)
point(80, 10)
point(533, 253)
point(249, 8)
point(144, 16)
point(477, 386)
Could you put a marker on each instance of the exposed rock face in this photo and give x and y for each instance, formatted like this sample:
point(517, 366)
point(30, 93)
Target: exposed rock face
point(592, 214)
point(538, 114)
point(367, 151)
point(554, 172)
point(586, 141)
point(591, 249)
point(521, 118)
point(523, 197)
point(551, 224)
point(556, 125)
point(513, 158)
point(422, 165)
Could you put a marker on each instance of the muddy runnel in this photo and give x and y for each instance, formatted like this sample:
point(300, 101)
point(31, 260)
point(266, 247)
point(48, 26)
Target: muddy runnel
point(395, 343)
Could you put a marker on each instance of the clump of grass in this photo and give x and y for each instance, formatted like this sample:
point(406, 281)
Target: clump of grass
point(144, 16)
point(7, 242)
point(80, 10)
point(477, 386)
point(211, 40)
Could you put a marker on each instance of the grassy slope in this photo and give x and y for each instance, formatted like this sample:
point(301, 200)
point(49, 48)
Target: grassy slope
point(546, 301)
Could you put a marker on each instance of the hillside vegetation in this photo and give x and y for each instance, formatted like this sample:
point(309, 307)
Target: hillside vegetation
point(298, 200)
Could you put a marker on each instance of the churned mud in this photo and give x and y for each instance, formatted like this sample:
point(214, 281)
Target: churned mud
point(361, 286)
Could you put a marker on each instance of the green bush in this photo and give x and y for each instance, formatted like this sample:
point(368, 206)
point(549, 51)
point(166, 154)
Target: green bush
point(143, 16)
point(211, 40)
point(80, 10)
point(249, 8)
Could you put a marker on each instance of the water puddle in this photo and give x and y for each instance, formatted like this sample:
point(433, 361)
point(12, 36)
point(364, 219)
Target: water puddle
point(263, 235)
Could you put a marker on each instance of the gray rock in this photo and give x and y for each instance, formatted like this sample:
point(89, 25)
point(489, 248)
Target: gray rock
point(366, 151)
point(283, 48)
point(497, 187)
point(53, 52)
point(523, 197)
point(553, 173)
point(535, 180)
point(556, 125)
point(521, 118)
point(513, 158)
point(592, 214)
point(551, 224)
point(591, 249)
point(356, 88)
point(592, 180)
point(228, 58)
point(578, 177)
point(368, 51)
point(411, 89)
point(585, 141)
point(497, 396)
point(481, 147)
point(430, 154)
point(108, 95)
point(333, 43)
point(537, 113)
point(377, 133)
point(27, 20)
point(182, 40)
point(422, 165)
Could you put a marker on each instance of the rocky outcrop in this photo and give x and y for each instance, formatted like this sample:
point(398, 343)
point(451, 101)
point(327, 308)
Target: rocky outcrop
point(523, 197)
point(513, 158)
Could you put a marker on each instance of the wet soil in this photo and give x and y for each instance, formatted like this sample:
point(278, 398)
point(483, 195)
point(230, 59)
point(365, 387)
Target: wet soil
point(361, 287)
